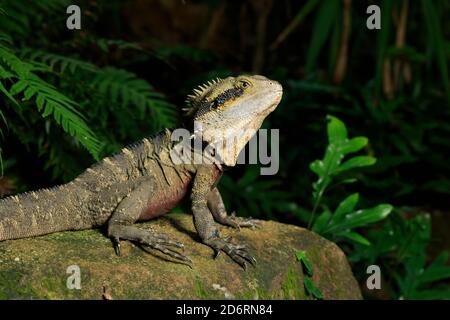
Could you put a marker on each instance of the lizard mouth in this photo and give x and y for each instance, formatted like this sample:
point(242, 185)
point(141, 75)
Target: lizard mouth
point(279, 95)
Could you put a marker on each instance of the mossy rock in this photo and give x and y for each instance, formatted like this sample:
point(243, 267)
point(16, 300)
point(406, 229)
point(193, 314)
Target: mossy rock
point(37, 268)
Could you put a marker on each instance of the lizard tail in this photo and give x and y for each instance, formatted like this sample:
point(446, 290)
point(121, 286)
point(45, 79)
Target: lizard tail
point(40, 212)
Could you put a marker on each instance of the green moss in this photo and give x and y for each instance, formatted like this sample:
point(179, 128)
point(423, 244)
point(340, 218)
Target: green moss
point(245, 295)
point(78, 237)
point(12, 286)
point(200, 291)
point(293, 285)
point(262, 294)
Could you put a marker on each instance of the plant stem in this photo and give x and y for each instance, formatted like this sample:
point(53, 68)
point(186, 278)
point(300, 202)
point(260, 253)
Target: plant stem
point(316, 204)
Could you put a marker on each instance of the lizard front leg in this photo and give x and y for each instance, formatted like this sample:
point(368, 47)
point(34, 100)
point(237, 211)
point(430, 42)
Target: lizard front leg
point(128, 212)
point(217, 207)
point(204, 221)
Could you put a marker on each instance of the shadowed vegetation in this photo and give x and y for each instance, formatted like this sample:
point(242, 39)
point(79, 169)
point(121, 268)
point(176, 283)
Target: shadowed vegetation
point(68, 98)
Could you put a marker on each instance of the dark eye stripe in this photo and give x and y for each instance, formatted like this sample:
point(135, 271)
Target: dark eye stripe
point(229, 94)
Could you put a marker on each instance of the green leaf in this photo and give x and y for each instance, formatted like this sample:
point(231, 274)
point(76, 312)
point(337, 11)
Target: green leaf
point(364, 217)
point(29, 93)
point(7, 94)
point(40, 102)
point(17, 87)
point(355, 237)
point(437, 41)
point(321, 222)
point(431, 294)
point(331, 160)
point(322, 27)
point(337, 132)
point(346, 206)
point(345, 181)
point(382, 41)
point(356, 162)
point(311, 288)
point(353, 145)
point(317, 167)
point(437, 270)
point(301, 256)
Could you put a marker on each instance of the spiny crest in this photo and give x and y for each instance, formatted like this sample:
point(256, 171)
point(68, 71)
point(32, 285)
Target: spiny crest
point(191, 103)
point(23, 195)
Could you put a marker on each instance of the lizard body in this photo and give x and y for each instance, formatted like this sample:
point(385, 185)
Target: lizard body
point(142, 181)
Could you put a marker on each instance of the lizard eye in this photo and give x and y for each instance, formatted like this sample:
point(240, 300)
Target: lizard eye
point(245, 84)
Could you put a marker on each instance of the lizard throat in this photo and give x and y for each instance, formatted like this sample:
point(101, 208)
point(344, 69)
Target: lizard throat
point(227, 142)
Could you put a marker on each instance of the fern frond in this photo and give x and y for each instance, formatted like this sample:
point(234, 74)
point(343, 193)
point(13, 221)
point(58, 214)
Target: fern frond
point(51, 102)
point(126, 89)
point(50, 6)
point(4, 37)
point(19, 67)
point(56, 62)
point(7, 94)
point(19, 15)
point(48, 99)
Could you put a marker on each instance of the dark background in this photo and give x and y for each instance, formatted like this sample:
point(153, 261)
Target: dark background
point(127, 72)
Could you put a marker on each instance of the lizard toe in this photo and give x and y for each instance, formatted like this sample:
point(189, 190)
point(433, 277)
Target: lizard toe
point(155, 240)
point(237, 252)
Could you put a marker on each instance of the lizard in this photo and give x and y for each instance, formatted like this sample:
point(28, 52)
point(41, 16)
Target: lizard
point(143, 182)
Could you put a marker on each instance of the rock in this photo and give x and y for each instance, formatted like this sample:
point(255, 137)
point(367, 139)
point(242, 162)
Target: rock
point(39, 268)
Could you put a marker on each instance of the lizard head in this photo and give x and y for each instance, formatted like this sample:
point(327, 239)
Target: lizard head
point(228, 112)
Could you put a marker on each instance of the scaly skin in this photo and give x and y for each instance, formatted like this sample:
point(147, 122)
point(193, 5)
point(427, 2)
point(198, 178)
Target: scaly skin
point(142, 181)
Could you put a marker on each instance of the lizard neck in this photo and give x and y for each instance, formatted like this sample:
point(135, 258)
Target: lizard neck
point(225, 142)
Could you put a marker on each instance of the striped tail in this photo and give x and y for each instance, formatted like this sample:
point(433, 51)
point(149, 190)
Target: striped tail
point(41, 212)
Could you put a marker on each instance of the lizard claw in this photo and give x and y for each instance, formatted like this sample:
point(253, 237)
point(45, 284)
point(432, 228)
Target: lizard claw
point(237, 252)
point(239, 222)
point(155, 240)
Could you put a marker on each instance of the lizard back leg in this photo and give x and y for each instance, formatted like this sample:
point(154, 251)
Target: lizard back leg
point(120, 225)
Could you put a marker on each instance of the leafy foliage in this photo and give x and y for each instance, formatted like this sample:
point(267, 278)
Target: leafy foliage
point(400, 248)
point(101, 88)
point(310, 288)
point(47, 98)
point(56, 62)
point(52, 83)
point(126, 89)
point(339, 224)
